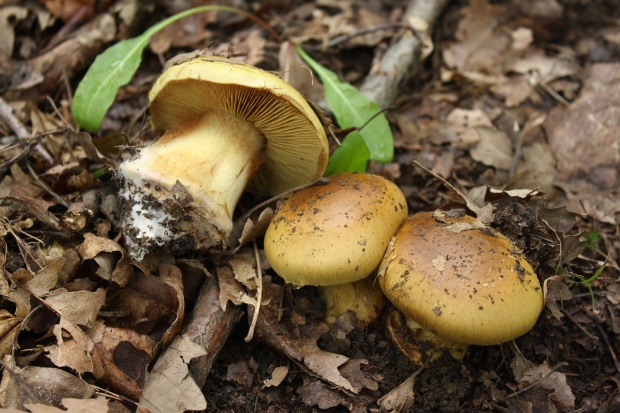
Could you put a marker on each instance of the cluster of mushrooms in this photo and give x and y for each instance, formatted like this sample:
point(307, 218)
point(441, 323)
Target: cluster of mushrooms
point(230, 127)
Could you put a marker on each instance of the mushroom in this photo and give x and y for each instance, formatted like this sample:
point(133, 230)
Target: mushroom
point(334, 235)
point(460, 280)
point(226, 127)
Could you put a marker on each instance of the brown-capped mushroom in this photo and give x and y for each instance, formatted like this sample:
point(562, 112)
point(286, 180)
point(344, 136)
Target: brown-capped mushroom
point(334, 234)
point(463, 281)
point(226, 127)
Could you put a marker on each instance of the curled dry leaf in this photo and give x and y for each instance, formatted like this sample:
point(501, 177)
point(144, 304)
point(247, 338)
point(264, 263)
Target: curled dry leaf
point(9, 327)
point(111, 258)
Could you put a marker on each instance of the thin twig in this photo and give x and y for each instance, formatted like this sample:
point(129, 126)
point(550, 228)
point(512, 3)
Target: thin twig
point(259, 294)
point(245, 216)
point(579, 326)
point(356, 33)
point(32, 143)
point(47, 188)
point(6, 113)
point(609, 347)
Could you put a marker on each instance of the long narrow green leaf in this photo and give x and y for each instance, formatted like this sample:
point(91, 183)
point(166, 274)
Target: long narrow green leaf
point(351, 156)
point(353, 109)
point(114, 68)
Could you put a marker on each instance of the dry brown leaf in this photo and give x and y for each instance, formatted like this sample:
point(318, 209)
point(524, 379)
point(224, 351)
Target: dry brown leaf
point(44, 280)
point(173, 297)
point(493, 149)
point(74, 347)
point(400, 398)
point(550, 385)
point(480, 48)
point(250, 230)
point(170, 387)
point(120, 358)
point(45, 385)
point(594, 115)
point(114, 265)
point(556, 292)
point(317, 393)
point(277, 376)
point(79, 307)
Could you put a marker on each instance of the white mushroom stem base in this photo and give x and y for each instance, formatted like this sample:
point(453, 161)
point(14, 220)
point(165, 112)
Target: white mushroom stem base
point(363, 297)
point(180, 193)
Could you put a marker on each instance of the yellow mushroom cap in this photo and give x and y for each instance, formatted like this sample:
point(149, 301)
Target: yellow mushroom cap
point(337, 232)
point(472, 286)
point(296, 149)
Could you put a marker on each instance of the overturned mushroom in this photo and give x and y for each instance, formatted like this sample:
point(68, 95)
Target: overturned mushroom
point(463, 282)
point(226, 127)
point(334, 235)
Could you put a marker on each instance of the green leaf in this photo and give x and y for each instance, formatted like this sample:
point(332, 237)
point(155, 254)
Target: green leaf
point(115, 67)
point(353, 109)
point(351, 156)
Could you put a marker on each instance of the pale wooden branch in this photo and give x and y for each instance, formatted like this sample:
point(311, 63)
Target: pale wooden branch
point(402, 59)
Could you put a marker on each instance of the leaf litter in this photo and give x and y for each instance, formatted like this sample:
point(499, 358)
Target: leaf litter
point(516, 119)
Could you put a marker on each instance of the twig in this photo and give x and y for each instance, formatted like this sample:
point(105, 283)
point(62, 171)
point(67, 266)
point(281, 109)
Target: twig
point(245, 216)
point(47, 188)
point(403, 59)
point(579, 326)
point(259, 294)
point(609, 347)
point(209, 326)
point(356, 33)
point(6, 113)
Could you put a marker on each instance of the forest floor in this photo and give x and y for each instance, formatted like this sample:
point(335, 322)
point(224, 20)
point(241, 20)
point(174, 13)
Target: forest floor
point(513, 103)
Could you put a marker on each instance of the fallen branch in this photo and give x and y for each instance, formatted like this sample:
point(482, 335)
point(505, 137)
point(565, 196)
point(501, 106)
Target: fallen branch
point(402, 60)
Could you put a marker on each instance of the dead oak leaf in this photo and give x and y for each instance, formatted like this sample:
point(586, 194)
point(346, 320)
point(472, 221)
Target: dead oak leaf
point(170, 387)
point(80, 307)
point(41, 282)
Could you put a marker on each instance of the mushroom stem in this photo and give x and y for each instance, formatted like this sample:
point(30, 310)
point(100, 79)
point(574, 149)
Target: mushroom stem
point(213, 159)
point(363, 297)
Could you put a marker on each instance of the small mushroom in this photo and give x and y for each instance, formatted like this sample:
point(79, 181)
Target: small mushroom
point(227, 127)
point(335, 234)
point(460, 280)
